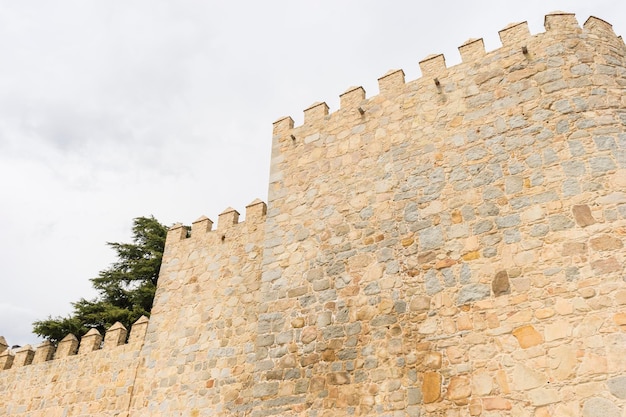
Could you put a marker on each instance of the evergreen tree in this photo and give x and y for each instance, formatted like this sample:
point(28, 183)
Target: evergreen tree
point(125, 289)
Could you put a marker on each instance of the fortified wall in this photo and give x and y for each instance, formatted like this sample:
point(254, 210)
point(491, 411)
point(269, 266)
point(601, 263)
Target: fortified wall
point(453, 246)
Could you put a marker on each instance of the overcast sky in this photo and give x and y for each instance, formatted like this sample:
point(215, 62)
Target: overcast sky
point(111, 110)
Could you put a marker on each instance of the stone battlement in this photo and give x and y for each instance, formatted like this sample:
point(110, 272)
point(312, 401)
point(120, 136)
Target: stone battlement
point(453, 245)
point(516, 40)
point(70, 345)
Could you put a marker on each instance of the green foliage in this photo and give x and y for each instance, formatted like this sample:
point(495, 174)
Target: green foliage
point(125, 289)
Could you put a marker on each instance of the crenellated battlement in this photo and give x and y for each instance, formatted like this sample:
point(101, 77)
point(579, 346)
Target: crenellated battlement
point(71, 346)
point(516, 41)
point(227, 220)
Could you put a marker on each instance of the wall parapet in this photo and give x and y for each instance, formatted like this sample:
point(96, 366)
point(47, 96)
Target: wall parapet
point(434, 69)
point(70, 345)
point(228, 219)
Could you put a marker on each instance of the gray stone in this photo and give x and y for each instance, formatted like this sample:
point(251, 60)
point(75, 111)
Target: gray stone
point(573, 168)
point(488, 209)
point(508, 221)
point(511, 236)
point(519, 202)
point(513, 184)
point(384, 255)
point(617, 387)
point(604, 143)
point(483, 227)
point(600, 407)
point(466, 274)
point(431, 238)
point(372, 288)
point(576, 148)
point(544, 197)
point(448, 277)
point(580, 69)
point(492, 193)
point(601, 164)
point(572, 273)
point(264, 389)
point(468, 213)
point(473, 292)
point(411, 213)
point(559, 222)
point(366, 213)
point(383, 320)
point(353, 328)
point(539, 230)
point(392, 267)
point(550, 156)
point(414, 396)
point(570, 187)
point(562, 127)
point(431, 283)
point(333, 332)
point(475, 153)
point(562, 106)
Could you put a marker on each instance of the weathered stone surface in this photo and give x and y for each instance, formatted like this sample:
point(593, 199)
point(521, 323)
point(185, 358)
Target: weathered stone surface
point(500, 284)
point(582, 215)
point(617, 387)
point(605, 243)
point(459, 390)
point(473, 292)
point(527, 336)
point(496, 403)
point(431, 387)
point(600, 407)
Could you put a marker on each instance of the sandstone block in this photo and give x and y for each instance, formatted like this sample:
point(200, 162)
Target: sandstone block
point(496, 403)
point(459, 389)
point(527, 336)
point(431, 387)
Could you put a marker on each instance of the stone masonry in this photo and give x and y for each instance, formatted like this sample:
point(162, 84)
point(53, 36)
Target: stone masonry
point(453, 246)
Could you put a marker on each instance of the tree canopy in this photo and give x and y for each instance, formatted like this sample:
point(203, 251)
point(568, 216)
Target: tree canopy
point(125, 289)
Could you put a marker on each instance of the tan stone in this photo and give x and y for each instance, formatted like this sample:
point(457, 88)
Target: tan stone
point(606, 266)
point(470, 256)
point(496, 403)
point(582, 215)
point(309, 334)
point(297, 323)
point(544, 313)
point(459, 389)
point(525, 378)
point(527, 336)
point(431, 387)
point(605, 243)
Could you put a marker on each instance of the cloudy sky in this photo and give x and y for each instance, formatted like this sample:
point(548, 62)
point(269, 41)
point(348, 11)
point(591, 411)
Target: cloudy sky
point(111, 110)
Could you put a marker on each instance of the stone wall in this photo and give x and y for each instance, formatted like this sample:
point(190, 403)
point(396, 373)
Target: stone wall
point(72, 381)
point(453, 246)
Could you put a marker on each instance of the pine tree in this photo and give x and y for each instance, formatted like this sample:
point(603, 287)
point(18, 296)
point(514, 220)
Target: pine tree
point(125, 289)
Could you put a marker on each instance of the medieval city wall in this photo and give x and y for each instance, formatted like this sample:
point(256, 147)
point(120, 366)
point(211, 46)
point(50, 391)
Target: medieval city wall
point(93, 379)
point(200, 343)
point(453, 246)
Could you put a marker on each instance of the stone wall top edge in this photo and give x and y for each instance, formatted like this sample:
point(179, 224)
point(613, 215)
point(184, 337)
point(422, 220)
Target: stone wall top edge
point(227, 220)
point(70, 348)
point(433, 67)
